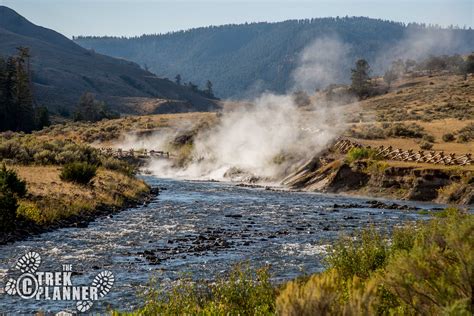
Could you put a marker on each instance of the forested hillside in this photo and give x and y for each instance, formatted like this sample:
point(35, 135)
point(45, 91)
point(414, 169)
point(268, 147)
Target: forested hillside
point(62, 71)
point(247, 58)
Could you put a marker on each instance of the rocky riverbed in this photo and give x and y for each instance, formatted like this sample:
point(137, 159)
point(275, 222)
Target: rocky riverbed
point(201, 228)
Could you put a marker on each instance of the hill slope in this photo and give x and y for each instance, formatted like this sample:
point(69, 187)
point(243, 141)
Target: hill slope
point(62, 71)
point(240, 59)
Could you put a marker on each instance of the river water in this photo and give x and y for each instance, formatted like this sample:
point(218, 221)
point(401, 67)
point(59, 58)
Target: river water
point(201, 228)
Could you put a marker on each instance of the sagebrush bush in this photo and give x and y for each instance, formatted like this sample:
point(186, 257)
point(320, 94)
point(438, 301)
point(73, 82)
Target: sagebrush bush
point(424, 269)
point(435, 276)
point(403, 130)
point(242, 292)
point(28, 149)
point(78, 172)
point(426, 145)
point(118, 165)
point(359, 256)
point(448, 137)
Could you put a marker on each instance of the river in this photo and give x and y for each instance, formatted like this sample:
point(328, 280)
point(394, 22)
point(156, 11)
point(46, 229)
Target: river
point(201, 228)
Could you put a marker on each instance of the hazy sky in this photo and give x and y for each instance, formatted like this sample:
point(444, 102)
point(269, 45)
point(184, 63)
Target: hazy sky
point(136, 17)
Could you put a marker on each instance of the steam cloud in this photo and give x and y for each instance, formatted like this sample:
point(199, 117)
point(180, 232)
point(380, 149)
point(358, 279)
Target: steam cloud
point(269, 137)
point(321, 63)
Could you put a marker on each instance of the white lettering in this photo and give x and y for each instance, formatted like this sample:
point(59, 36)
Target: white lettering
point(67, 279)
point(66, 293)
point(49, 279)
point(39, 277)
point(56, 293)
point(76, 293)
point(93, 294)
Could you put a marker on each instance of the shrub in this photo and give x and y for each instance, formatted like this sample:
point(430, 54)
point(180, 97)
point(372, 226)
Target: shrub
point(368, 132)
point(28, 149)
point(448, 137)
point(10, 182)
point(243, 292)
point(425, 269)
point(11, 187)
point(359, 256)
point(328, 294)
point(466, 133)
point(78, 172)
point(426, 145)
point(118, 165)
point(360, 153)
point(8, 206)
point(428, 138)
point(435, 276)
point(403, 130)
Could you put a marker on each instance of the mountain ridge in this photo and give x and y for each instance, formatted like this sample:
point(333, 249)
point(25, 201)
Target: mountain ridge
point(62, 70)
point(239, 58)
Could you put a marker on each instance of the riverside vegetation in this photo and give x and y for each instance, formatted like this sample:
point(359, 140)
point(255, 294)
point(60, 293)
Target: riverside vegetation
point(422, 268)
point(49, 183)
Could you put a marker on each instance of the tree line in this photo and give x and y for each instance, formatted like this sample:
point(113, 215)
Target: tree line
point(206, 92)
point(18, 111)
point(362, 86)
point(242, 58)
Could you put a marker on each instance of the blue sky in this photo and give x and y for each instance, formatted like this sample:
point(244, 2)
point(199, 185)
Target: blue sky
point(136, 17)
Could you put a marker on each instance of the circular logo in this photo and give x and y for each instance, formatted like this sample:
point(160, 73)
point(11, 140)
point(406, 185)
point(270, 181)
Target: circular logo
point(27, 286)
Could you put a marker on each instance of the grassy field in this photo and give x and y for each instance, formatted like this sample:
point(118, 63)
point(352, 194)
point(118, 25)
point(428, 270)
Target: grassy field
point(439, 105)
point(50, 199)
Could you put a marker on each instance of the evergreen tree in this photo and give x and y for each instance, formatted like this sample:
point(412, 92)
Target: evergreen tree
point(16, 98)
point(41, 117)
point(23, 95)
point(91, 110)
point(178, 79)
point(193, 87)
point(390, 76)
point(209, 92)
point(360, 78)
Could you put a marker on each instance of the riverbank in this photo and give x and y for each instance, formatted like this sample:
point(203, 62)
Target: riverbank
point(52, 203)
point(49, 199)
point(361, 172)
point(421, 268)
point(202, 229)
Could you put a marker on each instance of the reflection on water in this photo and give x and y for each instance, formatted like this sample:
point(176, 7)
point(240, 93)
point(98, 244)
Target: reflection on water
point(197, 227)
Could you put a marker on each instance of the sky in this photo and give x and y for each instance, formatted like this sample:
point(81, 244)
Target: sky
point(137, 17)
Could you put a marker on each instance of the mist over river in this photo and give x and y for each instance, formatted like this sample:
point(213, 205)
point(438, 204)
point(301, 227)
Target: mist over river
point(202, 228)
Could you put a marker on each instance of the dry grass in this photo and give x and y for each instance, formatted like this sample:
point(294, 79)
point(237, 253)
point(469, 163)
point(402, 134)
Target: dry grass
point(405, 164)
point(423, 98)
point(50, 199)
point(439, 104)
point(106, 132)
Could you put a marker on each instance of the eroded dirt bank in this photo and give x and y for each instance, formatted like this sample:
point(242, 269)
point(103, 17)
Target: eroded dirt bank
point(385, 179)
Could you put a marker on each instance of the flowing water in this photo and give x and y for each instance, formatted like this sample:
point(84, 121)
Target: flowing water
point(201, 228)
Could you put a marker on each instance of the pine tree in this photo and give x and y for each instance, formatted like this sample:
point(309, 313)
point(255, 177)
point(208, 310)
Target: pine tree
point(209, 92)
point(360, 78)
point(178, 79)
point(23, 95)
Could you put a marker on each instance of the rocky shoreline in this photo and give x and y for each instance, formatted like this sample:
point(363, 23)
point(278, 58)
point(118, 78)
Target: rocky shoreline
point(25, 229)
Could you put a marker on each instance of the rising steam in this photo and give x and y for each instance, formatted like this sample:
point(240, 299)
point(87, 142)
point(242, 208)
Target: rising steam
point(262, 141)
